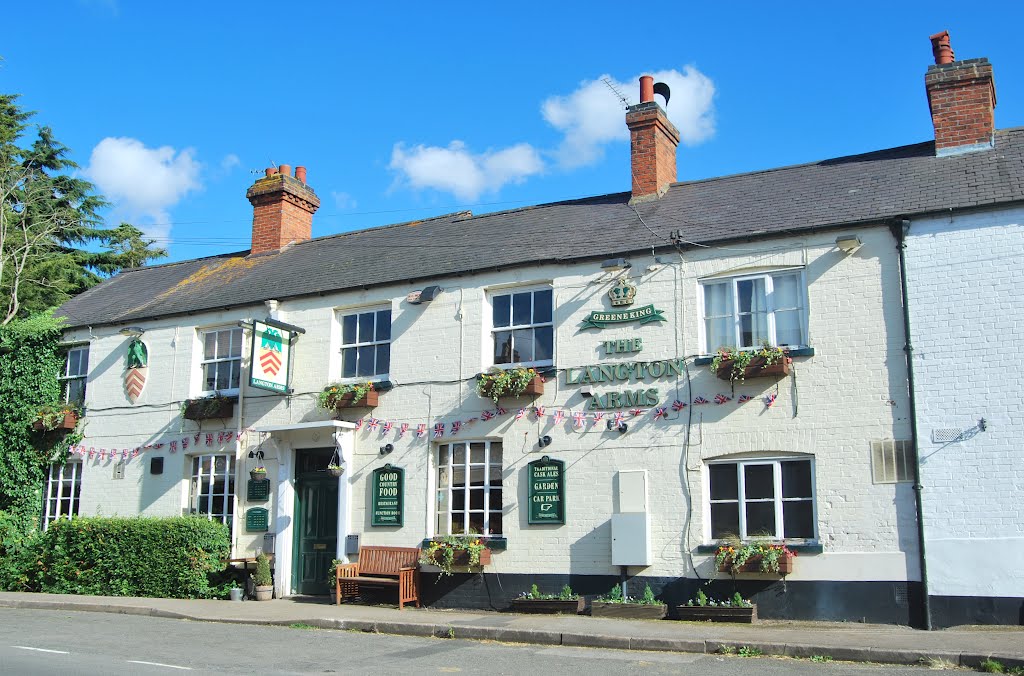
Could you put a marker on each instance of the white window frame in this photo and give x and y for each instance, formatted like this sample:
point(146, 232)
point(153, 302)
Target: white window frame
point(510, 291)
point(67, 378)
point(203, 361)
point(442, 501)
point(778, 499)
point(374, 309)
point(229, 493)
point(55, 490)
point(769, 300)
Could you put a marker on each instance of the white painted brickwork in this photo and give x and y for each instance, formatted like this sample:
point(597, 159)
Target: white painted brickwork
point(851, 392)
point(965, 279)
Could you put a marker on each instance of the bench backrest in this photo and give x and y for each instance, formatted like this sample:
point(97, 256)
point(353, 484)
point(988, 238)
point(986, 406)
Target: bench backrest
point(387, 560)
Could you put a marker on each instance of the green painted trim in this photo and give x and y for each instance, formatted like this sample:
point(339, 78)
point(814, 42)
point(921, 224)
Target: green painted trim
point(799, 549)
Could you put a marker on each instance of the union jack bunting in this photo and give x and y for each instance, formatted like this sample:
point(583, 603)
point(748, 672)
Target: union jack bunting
point(636, 412)
point(135, 453)
point(209, 438)
point(174, 447)
point(577, 419)
point(456, 426)
point(721, 398)
point(103, 454)
point(598, 417)
point(184, 444)
point(421, 430)
point(229, 437)
point(373, 424)
point(769, 400)
point(92, 450)
point(487, 415)
point(538, 411)
point(520, 413)
point(161, 445)
point(500, 411)
point(700, 400)
point(660, 412)
point(744, 398)
point(359, 424)
point(438, 430)
point(220, 437)
point(387, 427)
point(402, 429)
point(619, 415)
point(559, 416)
point(678, 405)
point(195, 438)
point(124, 453)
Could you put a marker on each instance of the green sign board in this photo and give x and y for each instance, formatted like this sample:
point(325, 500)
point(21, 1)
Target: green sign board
point(601, 319)
point(388, 494)
point(546, 491)
point(258, 490)
point(257, 519)
point(271, 354)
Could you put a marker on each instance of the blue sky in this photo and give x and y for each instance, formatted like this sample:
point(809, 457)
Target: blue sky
point(409, 110)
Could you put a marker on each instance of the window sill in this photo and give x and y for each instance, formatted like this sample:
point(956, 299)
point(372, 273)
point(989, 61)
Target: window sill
point(495, 543)
point(378, 385)
point(805, 548)
point(798, 352)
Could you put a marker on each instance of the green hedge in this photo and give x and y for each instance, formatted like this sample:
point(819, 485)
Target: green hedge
point(141, 556)
point(20, 549)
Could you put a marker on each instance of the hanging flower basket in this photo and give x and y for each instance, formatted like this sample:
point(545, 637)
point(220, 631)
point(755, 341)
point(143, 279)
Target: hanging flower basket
point(516, 382)
point(208, 408)
point(258, 473)
point(335, 471)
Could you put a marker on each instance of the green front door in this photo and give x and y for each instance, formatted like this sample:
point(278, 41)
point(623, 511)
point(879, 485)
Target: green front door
point(316, 520)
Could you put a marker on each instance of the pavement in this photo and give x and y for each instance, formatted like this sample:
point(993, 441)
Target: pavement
point(887, 644)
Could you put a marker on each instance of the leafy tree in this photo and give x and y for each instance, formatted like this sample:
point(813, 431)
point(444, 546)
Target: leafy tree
point(52, 242)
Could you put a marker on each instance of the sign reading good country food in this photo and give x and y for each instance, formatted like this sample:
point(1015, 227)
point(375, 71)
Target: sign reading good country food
point(270, 358)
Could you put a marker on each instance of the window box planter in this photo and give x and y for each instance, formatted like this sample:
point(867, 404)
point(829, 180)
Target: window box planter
point(756, 369)
point(534, 388)
point(717, 614)
point(548, 606)
point(632, 611)
point(63, 424)
point(461, 559)
point(208, 408)
point(753, 565)
point(348, 400)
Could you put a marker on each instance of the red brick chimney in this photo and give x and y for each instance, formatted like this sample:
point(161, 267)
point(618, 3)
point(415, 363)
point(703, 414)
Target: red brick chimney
point(653, 140)
point(282, 209)
point(962, 100)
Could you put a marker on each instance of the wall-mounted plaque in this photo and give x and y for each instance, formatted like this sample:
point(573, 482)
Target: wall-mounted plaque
point(388, 491)
point(546, 491)
point(257, 519)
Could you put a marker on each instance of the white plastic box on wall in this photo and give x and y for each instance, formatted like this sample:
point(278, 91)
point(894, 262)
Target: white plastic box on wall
point(631, 522)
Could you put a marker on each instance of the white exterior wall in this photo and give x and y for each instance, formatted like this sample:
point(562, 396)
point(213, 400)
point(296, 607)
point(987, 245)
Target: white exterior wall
point(964, 280)
point(851, 392)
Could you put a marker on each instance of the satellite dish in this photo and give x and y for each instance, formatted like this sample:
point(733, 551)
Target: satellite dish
point(662, 88)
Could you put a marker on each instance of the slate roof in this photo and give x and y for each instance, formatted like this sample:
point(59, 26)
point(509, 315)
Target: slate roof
point(839, 192)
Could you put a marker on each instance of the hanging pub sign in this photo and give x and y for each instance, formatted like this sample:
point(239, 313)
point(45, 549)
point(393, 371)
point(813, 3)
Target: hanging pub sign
point(388, 491)
point(271, 352)
point(546, 492)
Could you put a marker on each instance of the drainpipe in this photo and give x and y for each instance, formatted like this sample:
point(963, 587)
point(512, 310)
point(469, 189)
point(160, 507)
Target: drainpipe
point(899, 228)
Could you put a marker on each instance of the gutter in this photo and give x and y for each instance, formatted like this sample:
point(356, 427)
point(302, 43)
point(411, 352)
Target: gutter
point(899, 228)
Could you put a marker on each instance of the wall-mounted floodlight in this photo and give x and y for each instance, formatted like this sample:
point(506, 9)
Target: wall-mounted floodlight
point(132, 331)
point(848, 243)
point(613, 264)
point(586, 391)
point(621, 427)
point(544, 441)
point(386, 448)
point(428, 294)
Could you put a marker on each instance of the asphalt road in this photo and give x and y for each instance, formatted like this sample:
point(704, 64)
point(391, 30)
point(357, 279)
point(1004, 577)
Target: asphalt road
point(51, 642)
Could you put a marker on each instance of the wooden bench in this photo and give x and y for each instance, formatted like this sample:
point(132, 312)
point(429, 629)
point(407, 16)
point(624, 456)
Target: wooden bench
point(381, 567)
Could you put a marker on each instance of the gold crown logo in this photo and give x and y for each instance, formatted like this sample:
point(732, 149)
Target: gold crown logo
point(623, 292)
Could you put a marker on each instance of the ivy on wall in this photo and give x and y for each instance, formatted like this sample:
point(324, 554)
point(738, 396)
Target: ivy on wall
point(30, 362)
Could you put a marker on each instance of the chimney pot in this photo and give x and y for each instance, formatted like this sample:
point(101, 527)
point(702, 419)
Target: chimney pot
point(285, 169)
point(271, 171)
point(282, 209)
point(961, 99)
point(941, 49)
point(646, 88)
point(300, 174)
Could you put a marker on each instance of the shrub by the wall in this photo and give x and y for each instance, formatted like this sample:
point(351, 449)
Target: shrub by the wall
point(20, 549)
point(139, 556)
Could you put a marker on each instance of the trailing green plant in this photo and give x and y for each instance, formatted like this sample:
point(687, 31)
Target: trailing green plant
point(739, 360)
point(262, 577)
point(51, 416)
point(733, 557)
point(330, 397)
point(499, 382)
point(173, 557)
point(442, 550)
point(567, 594)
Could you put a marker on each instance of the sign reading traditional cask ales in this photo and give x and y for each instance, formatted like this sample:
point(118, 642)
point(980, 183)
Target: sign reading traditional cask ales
point(546, 492)
point(388, 490)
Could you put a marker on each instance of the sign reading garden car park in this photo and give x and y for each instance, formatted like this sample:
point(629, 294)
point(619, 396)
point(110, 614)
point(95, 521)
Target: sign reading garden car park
point(270, 358)
point(388, 495)
point(546, 491)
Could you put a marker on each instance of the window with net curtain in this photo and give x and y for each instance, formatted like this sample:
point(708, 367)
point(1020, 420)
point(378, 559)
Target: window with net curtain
point(744, 312)
point(762, 498)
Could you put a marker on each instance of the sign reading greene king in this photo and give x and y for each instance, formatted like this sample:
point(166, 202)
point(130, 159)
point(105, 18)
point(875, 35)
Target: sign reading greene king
point(599, 319)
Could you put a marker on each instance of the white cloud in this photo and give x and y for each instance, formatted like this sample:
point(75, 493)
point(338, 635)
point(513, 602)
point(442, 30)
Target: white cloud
point(229, 162)
point(343, 200)
point(143, 183)
point(592, 116)
point(465, 174)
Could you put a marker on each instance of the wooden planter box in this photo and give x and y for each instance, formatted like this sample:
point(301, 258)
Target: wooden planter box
point(534, 388)
point(66, 425)
point(632, 611)
point(462, 559)
point(753, 565)
point(199, 409)
point(548, 606)
point(756, 369)
point(347, 400)
point(716, 614)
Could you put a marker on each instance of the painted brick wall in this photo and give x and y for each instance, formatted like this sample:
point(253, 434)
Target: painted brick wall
point(964, 279)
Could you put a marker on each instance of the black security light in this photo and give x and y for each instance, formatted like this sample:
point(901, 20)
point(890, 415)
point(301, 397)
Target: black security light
point(621, 427)
point(386, 448)
point(544, 441)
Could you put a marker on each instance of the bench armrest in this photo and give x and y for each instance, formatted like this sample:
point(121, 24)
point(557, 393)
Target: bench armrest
point(346, 570)
point(409, 568)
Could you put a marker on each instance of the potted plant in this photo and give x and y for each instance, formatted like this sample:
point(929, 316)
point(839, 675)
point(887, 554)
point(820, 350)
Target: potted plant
point(452, 551)
point(262, 579)
point(737, 365)
point(258, 473)
point(534, 601)
point(235, 592)
point(616, 604)
point(350, 395)
point(755, 557)
point(335, 470)
point(56, 417)
point(212, 407)
point(703, 609)
point(513, 382)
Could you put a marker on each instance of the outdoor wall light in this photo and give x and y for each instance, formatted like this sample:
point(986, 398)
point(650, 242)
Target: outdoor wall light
point(848, 243)
point(132, 331)
point(386, 448)
point(613, 264)
point(621, 427)
point(544, 441)
point(428, 294)
point(586, 391)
